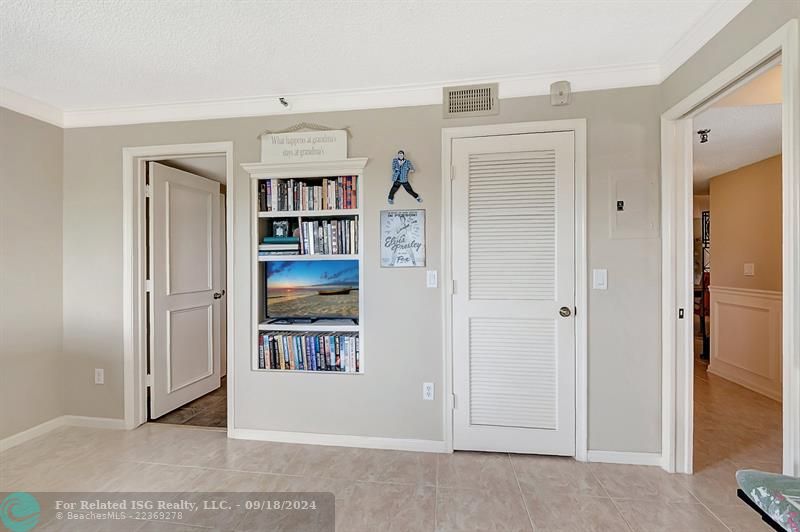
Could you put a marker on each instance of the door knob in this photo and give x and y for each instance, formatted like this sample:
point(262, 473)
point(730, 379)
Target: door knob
point(565, 312)
point(217, 295)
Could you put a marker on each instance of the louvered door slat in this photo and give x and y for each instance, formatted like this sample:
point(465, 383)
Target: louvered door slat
point(512, 370)
point(512, 219)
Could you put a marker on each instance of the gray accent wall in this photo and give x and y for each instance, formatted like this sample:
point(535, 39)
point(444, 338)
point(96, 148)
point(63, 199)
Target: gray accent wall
point(403, 319)
point(30, 272)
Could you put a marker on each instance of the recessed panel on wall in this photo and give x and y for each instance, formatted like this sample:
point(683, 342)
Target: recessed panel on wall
point(633, 207)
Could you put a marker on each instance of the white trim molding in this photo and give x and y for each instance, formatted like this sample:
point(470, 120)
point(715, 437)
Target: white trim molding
point(341, 440)
point(587, 79)
point(741, 318)
point(58, 422)
point(578, 126)
point(677, 247)
point(31, 107)
point(703, 31)
point(133, 311)
point(630, 458)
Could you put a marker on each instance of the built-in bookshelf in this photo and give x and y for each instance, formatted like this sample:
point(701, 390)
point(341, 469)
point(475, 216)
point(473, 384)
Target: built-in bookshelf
point(307, 219)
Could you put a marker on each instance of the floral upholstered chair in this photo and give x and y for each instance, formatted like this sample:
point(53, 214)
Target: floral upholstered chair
point(775, 497)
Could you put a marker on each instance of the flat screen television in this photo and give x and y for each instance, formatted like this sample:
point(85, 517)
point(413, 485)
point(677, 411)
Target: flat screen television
point(312, 289)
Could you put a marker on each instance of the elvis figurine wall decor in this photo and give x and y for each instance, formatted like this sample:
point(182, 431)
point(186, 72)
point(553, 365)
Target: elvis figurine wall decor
point(401, 167)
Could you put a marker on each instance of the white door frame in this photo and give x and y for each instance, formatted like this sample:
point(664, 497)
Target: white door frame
point(676, 251)
point(133, 260)
point(578, 127)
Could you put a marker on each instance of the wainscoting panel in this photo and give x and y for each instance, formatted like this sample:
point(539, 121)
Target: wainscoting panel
point(746, 338)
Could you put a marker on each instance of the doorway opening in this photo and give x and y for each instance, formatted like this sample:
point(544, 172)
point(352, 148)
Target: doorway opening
point(737, 284)
point(677, 136)
point(178, 279)
point(200, 398)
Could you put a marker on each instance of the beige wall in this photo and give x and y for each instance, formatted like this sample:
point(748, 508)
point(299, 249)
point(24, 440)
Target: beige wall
point(30, 272)
point(746, 226)
point(403, 319)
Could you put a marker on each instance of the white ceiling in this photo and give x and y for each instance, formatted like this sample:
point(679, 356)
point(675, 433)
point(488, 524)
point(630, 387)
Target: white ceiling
point(739, 136)
point(86, 58)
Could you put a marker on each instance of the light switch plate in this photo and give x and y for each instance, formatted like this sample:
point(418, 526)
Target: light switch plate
point(749, 269)
point(432, 279)
point(99, 376)
point(600, 279)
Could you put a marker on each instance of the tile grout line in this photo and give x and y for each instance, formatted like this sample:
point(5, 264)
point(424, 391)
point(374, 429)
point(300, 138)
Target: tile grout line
point(521, 494)
point(616, 506)
point(701, 503)
point(270, 473)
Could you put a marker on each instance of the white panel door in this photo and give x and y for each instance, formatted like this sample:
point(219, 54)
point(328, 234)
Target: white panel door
point(514, 271)
point(185, 310)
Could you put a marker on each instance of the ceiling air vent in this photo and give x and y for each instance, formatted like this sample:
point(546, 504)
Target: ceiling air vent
point(471, 100)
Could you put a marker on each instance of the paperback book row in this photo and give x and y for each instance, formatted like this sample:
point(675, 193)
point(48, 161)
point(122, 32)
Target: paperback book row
point(309, 351)
point(302, 195)
point(329, 237)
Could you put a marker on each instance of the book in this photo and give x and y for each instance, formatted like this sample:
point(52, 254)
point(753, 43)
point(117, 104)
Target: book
point(309, 351)
point(328, 237)
point(280, 240)
point(326, 193)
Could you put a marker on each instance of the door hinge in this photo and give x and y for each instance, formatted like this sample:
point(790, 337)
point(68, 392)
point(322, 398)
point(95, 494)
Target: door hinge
point(148, 191)
point(680, 313)
point(453, 400)
point(452, 172)
point(148, 285)
point(149, 380)
point(453, 287)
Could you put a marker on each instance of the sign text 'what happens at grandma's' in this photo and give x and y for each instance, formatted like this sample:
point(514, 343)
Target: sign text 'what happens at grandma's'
point(304, 146)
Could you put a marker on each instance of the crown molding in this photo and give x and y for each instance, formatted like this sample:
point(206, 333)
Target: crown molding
point(698, 35)
point(31, 107)
point(402, 96)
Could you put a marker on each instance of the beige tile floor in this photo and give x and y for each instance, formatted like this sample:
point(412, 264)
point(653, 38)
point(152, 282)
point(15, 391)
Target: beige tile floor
point(392, 491)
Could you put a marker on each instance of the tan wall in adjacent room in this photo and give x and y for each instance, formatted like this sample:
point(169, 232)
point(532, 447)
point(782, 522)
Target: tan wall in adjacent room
point(746, 226)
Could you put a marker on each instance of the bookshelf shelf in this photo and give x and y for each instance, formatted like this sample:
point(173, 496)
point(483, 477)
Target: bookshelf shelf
point(310, 327)
point(307, 372)
point(281, 347)
point(317, 256)
point(322, 213)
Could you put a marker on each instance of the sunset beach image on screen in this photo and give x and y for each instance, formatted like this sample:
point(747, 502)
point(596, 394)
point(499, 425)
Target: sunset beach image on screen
point(312, 289)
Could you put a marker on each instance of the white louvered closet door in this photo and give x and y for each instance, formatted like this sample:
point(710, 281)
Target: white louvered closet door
point(514, 270)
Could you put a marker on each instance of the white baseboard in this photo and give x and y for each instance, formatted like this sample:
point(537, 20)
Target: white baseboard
point(56, 422)
point(615, 457)
point(340, 440)
point(31, 433)
point(94, 422)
